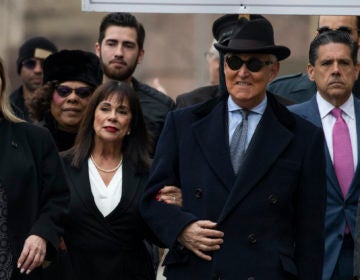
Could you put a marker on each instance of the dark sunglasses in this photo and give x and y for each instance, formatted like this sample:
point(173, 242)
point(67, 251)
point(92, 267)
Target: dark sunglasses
point(82, 92)
point(31, 63)
point(253, 64)
point(345, 29)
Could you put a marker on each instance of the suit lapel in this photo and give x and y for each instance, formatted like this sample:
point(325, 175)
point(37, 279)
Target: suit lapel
point(356, 181)
point(130, 187)
point(81, 187)
point(268, 142)
point(311, 113)
point(211, 133)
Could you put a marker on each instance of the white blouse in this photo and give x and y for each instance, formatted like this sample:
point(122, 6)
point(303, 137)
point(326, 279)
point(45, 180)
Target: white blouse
point(106, 197)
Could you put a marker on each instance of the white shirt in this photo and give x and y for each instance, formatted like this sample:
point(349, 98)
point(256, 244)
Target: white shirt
point(328, 122)
point(106, 197)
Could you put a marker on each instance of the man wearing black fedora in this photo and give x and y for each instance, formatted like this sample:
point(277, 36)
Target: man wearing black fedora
point(221, 30)
point(251, 174)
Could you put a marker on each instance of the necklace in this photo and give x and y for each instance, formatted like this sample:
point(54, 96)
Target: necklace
point(104, 170)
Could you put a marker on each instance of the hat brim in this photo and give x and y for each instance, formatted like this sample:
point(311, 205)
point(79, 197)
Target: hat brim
point(280, 52)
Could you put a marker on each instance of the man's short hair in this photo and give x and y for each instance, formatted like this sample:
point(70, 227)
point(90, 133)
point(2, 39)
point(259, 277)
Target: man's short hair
point(123, 20)
point(332, 36)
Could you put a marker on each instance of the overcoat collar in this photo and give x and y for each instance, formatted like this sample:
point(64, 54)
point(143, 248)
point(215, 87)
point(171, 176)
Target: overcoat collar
point(269, 140)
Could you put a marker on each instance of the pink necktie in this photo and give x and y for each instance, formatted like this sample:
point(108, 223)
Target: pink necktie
point(343, 157)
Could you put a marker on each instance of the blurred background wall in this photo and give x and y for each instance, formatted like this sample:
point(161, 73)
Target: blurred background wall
point(174, 43)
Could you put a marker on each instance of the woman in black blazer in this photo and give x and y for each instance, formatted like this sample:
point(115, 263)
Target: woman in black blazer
point(33, 194)
point(107, 170)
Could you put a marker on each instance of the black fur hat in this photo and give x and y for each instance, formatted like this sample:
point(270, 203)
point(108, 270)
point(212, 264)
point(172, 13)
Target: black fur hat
point(73, 65)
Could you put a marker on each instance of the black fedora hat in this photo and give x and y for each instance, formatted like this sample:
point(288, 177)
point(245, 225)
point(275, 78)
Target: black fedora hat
point(253, 36)
point(223, 26)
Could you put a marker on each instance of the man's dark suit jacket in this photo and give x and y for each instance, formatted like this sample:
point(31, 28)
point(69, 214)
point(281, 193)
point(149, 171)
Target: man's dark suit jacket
point(206, 93)
point(271, 213)
point(33, 177)
point(338, 210)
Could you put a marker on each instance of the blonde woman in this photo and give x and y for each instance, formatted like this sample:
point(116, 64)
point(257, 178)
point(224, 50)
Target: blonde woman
point(33, 194)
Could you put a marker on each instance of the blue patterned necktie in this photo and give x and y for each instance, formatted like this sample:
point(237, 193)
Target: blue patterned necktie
point(238, 141)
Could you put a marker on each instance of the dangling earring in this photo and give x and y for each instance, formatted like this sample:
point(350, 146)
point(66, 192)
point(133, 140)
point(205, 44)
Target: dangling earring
point(128, 133)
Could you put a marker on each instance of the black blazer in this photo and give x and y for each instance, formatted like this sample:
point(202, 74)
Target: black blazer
point(108, 247)
point(33, 177)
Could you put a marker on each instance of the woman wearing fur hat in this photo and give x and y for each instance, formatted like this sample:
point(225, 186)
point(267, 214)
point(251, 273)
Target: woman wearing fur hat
point(70, 77)
point(33, 194)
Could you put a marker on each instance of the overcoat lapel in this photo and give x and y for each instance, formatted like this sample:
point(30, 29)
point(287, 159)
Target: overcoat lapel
point(212, 136)
point(269, 141)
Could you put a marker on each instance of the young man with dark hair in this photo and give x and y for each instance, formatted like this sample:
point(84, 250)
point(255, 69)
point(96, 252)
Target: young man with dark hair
point(120, 49)
point(30, 68)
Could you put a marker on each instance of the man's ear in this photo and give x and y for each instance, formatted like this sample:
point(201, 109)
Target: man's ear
point(275, 68)
point(140, 56)
point(97, 49)
point(310, 71)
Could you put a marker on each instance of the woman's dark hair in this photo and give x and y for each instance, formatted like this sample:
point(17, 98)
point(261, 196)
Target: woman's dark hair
point(40, 104)
point(136, 146)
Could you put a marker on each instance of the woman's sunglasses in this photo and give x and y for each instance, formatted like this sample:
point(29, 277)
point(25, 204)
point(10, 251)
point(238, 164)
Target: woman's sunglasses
point(82, 92)
point(253, 64)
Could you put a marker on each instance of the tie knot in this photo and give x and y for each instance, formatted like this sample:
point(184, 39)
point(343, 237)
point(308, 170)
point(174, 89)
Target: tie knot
point(244, 113)
point(336, 112)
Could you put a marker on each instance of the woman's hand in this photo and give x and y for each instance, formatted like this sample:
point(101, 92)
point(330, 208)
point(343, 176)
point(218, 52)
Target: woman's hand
point(170, 195)
point(33, 254)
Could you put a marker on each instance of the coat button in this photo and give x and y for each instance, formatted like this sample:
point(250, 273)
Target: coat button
point(273, 199)
point(252, 238)
point(198, 193)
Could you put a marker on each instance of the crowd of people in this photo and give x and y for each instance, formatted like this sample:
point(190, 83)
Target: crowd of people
point(250, 177)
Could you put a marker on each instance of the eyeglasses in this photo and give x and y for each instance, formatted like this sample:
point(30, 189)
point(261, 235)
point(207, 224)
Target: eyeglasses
point(65, 91)
point(31, 63)
point(253, 64)
point(345, 29)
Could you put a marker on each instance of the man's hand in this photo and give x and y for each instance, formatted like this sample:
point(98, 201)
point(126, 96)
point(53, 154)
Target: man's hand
point(200, 237)
point(33, 254)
